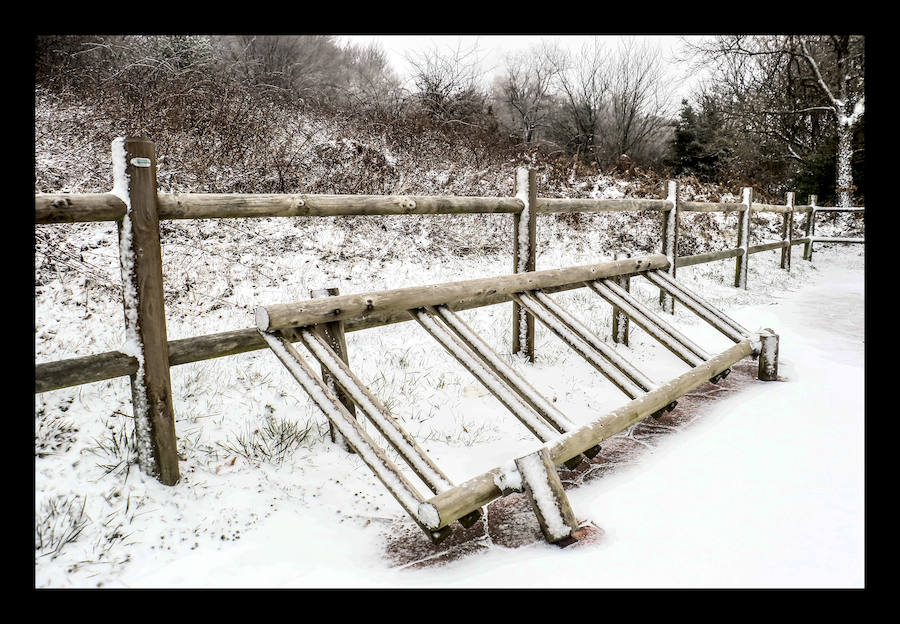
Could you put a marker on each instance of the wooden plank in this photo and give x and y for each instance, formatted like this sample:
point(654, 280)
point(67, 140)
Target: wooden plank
point(524, 257)
point(579, 329)
point(547, 496)
point(134, 163)
point(767, 247)
point(383, 303)
point(369, 452)
point(838, 239)
point(416, 458)
point(482, 489)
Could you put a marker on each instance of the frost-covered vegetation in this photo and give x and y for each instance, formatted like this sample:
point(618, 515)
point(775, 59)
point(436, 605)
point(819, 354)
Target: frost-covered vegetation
point(250, 442)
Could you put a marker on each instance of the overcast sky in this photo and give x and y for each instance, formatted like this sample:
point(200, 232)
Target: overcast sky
point(493, 48)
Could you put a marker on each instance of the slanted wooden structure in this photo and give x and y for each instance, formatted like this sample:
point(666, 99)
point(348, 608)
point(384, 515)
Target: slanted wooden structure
point(561, 441)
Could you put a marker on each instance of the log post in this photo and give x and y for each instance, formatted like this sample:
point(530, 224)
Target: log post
point(787, 233)
point(134, 174)
point(619, 318)
point(548, 499)
point(768, 356)
point(670, 225)
point(743, 241)
point(333, 333)
point(810, 228)
point(524, 256)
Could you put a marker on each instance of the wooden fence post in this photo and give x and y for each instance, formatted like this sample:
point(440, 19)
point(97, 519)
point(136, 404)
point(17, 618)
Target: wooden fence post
point(810, 228)
point(333, 333)
point(670, 242)
point(768, 356)
point(787, 233)
point(134, 174)
point(743, 241)
point(619, 318)
point(524, 256)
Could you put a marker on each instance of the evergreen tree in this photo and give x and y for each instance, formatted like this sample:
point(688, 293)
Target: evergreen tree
point(697, 147)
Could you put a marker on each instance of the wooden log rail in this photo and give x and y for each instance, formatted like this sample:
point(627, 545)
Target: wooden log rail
point(356, 308)
point(137, 211)
point(535, 473)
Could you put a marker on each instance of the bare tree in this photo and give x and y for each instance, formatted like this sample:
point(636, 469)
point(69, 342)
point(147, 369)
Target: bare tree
point(793, 88)
point(368, 80)
point(583, 86)
point(526, 88)
point(637, 108)
point(307, 65)
point(448, 83)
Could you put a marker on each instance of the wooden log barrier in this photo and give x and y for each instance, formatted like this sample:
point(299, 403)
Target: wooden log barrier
point(478, 491)
point(658, 331)
point(111, 364)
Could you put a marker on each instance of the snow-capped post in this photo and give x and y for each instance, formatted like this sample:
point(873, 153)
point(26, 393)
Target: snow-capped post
point(134, 174)
point(333, 333)
point(768, 355)
point(810, 228)
point(670, 242)
point(524, 255)
point(743, 240)
point(787, 232)
point(547, 496)
point(619, 318)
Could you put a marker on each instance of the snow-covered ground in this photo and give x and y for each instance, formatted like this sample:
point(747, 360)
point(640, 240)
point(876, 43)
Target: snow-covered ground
point(760, 487)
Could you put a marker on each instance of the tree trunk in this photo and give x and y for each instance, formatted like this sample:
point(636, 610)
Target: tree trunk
point(844, 164)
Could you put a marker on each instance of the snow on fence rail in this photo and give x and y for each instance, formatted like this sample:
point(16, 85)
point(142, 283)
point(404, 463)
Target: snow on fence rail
point(137, 207)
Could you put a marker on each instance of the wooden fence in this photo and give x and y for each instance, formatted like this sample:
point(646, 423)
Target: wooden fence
point(137, 207)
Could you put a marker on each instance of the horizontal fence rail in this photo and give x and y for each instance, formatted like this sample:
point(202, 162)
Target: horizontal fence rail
point(138, 205)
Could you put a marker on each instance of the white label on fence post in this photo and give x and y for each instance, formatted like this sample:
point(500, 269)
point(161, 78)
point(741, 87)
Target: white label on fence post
point(140, 162)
